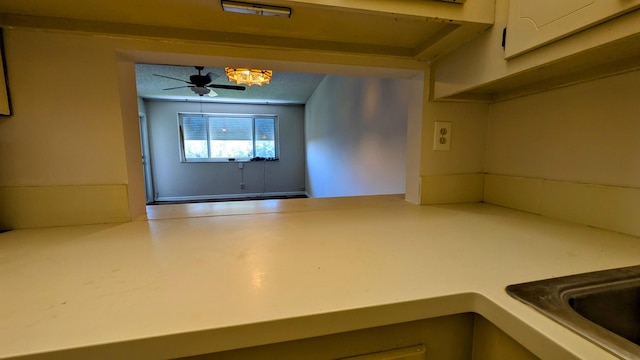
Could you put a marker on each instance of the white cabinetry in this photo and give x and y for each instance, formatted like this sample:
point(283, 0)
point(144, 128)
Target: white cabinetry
point(533, 23)
point(481, 70)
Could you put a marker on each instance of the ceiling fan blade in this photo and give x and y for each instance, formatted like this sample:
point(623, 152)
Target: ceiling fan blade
point(172, 78)
point(227, 87)
point(212, 76)
point(178, 87)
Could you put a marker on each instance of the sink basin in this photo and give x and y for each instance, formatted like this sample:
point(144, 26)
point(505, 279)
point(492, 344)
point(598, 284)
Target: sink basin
point(602, 306)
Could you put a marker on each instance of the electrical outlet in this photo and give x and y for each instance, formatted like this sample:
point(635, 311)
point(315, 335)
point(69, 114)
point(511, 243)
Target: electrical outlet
point(442, 136)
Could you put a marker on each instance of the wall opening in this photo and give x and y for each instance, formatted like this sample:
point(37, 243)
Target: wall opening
point(338, 157)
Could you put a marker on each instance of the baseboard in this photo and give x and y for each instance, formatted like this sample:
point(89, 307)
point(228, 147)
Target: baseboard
point(448, 189)
point(231, 196)
point(514, 192)
point(46, 206)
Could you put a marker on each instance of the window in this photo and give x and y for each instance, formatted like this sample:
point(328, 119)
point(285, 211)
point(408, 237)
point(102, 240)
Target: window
point(211, 137)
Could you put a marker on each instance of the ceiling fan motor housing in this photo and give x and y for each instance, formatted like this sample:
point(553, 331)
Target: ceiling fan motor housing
point(199, 80)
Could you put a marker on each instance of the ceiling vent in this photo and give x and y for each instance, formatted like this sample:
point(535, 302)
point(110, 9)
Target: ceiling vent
point(255, 9)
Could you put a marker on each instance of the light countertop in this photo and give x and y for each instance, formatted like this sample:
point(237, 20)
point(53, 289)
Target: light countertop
point(215, 276)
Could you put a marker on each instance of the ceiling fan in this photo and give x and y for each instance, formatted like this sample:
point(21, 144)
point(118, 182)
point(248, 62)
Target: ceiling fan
point(201, 84)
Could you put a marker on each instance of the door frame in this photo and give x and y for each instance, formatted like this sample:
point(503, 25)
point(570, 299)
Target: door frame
point(146, 160)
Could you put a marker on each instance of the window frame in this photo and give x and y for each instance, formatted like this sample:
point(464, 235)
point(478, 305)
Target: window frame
point(181, 142)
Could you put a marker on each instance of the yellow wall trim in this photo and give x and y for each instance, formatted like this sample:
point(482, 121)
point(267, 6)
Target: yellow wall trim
point(513, 192)
point(45, 206)
point(608, 207)
point(447, 189)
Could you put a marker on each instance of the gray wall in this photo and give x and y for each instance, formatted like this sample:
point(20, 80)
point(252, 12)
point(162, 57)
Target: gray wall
point(356, 136)
point(177, 180)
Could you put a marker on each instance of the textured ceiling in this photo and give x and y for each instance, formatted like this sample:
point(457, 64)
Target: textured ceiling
point(285, 87)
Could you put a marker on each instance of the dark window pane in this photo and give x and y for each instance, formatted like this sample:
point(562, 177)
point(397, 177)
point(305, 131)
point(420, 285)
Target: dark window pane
point(194, 128)
point(230, 128)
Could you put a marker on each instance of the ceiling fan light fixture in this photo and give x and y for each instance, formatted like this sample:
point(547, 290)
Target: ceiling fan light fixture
point(200, 90)
point(248, 76)
point(255, 9)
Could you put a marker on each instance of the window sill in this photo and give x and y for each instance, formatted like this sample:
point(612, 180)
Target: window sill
point(198, 161)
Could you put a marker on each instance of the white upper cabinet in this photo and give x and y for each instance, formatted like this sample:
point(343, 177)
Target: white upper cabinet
point(533, 23)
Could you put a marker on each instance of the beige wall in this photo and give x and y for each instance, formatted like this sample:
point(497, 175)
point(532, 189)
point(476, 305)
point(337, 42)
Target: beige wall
point(75, 125)
point(66, 128)
point(74, 128)
point(468, 138)
point(456, 175)
point(63, 150)
point(586, 133)
point(570, 153)
point(565, 152)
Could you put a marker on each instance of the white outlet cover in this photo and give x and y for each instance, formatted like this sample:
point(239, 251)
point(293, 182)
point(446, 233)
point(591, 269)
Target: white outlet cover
point(442, 136)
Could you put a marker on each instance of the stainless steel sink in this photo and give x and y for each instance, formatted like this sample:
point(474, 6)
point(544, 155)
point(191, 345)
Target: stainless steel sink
point(602, 306)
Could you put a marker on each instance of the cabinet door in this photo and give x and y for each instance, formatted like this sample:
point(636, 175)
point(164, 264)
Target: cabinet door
point(533, 23)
